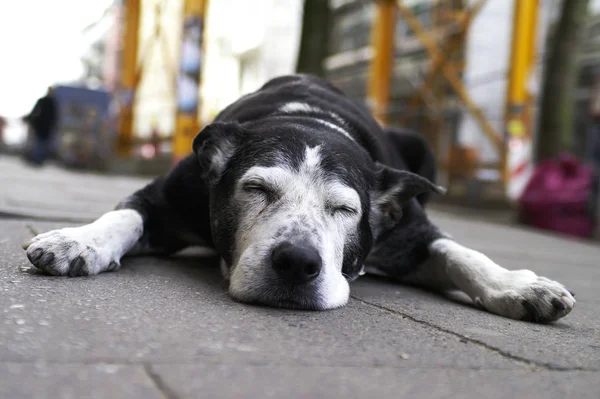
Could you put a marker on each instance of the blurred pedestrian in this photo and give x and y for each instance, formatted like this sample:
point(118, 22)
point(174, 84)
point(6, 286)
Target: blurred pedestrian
point(42, 120)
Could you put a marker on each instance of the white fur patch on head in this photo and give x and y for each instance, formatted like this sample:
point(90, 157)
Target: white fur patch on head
point(298, 106)
point(334, 127)
point(312, 159)
point(338, 126)
point(306, 206)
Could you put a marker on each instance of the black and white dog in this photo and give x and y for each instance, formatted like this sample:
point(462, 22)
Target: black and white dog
point(297, 188)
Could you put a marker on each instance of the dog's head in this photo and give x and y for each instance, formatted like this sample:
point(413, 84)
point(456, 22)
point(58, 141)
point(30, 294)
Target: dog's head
point(294, 210)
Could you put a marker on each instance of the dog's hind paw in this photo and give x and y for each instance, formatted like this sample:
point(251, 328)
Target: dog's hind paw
point(529, 297)
point(70, 251)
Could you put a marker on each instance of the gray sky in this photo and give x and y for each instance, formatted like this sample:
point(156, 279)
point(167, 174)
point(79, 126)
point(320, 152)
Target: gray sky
point(39, 44)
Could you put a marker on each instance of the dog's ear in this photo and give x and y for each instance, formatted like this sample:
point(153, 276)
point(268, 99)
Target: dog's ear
point(395, 188)
point(214, 146)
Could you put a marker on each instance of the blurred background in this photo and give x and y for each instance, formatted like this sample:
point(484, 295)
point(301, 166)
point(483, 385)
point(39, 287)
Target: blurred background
point(505, 91)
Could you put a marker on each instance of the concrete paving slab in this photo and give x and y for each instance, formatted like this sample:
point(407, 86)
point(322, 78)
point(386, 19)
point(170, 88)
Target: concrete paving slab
point(572, 342)
point(177, 311)
point(233, 381)
point(53, 193)
point(75, 381)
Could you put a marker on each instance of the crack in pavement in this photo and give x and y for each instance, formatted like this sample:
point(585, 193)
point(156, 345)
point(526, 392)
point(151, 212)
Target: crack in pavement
point(531, 364)
point(300, 363)
point(159, 383)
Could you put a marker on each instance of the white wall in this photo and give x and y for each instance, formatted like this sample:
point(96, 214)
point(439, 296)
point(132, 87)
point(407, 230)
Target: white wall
point(487, 67)
point(487, 63)
point(156, 99)
point(247, 43)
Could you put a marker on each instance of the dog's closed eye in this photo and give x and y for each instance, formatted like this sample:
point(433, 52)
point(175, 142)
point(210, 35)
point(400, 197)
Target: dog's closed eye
point(261, 188)
point(344, 210)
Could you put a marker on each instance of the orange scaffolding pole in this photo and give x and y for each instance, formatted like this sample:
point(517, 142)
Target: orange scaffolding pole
point(519, 103)
point(380, 70)
point(188, 80)
point(129, 79)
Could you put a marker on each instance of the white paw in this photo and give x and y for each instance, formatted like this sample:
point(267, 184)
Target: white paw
point(523, 295)
point(77, 251)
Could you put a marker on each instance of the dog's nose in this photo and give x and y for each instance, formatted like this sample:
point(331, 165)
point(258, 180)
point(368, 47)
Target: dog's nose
point(296, 263)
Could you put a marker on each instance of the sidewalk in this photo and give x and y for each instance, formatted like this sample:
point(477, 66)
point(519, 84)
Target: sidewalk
point(53, 193)
point(165, 328)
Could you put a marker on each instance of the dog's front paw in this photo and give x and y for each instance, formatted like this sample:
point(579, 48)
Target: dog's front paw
point(525, 296)
point(69, 251)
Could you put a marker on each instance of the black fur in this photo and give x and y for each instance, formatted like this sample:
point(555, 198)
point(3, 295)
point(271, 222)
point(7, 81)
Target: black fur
point(188, 200)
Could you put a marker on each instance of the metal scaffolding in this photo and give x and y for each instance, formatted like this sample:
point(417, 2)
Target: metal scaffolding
point(129, 76)
point(133, 63)
point(186, 124)
point(443, 40)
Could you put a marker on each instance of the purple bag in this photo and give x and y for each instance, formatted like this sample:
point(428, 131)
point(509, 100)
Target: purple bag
point(556, 197)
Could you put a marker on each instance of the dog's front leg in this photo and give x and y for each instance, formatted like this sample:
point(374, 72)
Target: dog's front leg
point(87, 250)
point(518, 294)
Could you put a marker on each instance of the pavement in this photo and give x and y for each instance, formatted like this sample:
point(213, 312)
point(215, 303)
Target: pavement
point(165, 327)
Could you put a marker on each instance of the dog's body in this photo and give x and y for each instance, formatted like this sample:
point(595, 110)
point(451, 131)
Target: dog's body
point(297, 187)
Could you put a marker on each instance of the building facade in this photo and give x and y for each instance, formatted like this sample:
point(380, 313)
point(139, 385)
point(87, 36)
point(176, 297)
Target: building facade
point(246, 44)
point(482, 62)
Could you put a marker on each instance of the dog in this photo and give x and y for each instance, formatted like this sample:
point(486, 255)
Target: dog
point(301, 191)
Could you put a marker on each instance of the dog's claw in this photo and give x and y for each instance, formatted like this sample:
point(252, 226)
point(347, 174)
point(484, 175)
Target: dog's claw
point(35, 255)
point(558, 304)
point(568, 301)
point(78, 267)
point(46, 259)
